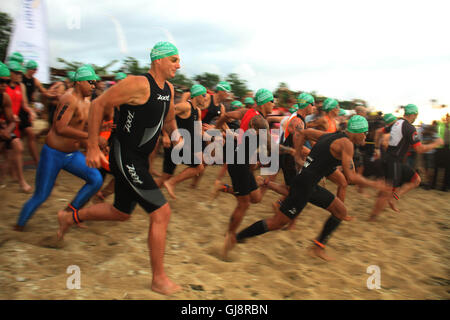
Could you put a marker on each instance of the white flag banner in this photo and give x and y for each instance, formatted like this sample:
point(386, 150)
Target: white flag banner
point(30, 37)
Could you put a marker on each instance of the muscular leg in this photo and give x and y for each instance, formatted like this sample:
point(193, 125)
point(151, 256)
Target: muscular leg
point(339, 213)
point(98, 212)
point(198, 177)
point(405, 188)
point(187, 173)
point(268, 181)
point(94, 181)
point(218, 185)
point(269, 184)
point(277, 221)
point(256, 196)
point(156, 243)
point(381, 203)
point(17, 159)
point(32, 144)
point(243, 203)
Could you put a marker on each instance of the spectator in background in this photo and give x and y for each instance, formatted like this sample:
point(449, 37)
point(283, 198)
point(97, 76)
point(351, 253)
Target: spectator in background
point(428, 134)
point(443, 154)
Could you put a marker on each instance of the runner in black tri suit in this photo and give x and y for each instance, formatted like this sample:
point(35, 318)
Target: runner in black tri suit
point(330, 150)
point(210, 114)
point(187, 115)
point(244, 186)
point(145, 108)
point(31, 84)
point(397, 173)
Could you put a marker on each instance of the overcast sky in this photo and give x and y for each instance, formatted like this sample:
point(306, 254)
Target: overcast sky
point(388, 53)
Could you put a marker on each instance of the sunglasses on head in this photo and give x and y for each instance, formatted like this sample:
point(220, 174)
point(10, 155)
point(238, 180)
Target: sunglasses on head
point(5, 81)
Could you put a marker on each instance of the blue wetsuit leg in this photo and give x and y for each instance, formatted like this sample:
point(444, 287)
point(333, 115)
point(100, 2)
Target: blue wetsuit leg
point(76, 165)
point(50, 163)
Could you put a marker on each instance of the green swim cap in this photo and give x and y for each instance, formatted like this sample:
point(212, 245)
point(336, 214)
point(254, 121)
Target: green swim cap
point(4, 71)
point(120, 76)
point(71, 75)
point(304, 99)
point(85, 73)
point(236, 104)
point(197, 90)
point(389, 118)
point(249, 100)
point(16, 56)
point(263, 96)
point(342, 112)
point(15, 66)
point(163, 49)
point(411, 109)
point(329, 104)
point(357, 124)
point(294, 108)
point(223, 86)
point(31, 65)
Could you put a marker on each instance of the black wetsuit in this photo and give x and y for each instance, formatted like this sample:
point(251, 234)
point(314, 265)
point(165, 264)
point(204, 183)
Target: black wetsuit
point(187, 124)
point(138, 129)
point(243, 156)
point(304, 187)
point(212, 113)
point(23, 115)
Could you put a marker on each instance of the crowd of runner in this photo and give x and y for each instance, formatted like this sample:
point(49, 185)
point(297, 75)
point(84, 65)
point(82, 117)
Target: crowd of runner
point(94, 133)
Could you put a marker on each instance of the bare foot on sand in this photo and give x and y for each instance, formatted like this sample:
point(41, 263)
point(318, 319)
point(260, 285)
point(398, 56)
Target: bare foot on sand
point(372, 218)
point(170, 188)
point(392, 205)
point(18, 228)
point(65, 221)
point(165, 286)
point(216, 189)
point(25, 187)
point(315, 252)
point(230, 242)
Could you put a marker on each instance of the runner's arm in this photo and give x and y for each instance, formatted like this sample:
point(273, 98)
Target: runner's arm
point(130, 90)
point(170, 124)
point(25, 104)
point(9, 115)
point(349, 167)
point(44, 91)
point(228, 116)
point(181, 108)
